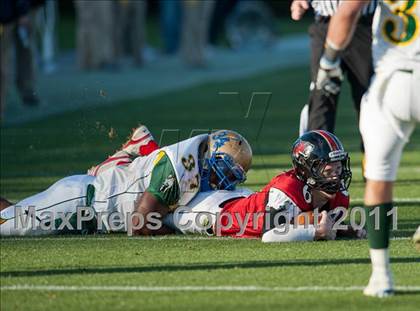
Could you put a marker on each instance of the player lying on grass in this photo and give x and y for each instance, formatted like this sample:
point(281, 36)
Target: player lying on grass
point(140, 181)
point(318, 181)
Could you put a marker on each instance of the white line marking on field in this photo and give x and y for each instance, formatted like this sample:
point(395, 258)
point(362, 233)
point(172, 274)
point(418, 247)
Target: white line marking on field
point(165, 237)
point(105, 238)
point(251, 288)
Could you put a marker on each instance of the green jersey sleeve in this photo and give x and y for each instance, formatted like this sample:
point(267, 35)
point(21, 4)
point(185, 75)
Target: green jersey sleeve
point(163, 183)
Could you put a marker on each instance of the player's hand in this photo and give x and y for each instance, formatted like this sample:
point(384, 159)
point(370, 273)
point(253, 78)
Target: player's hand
point(361, 234)
point(298, 8)
point(324, 230)
point(329, 76)
point(352, 233)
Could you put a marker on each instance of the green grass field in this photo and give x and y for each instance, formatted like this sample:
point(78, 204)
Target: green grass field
point(114, 272)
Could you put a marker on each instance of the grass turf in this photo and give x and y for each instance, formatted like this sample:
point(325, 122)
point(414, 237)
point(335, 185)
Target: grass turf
point(123, 261)
point(36, 154)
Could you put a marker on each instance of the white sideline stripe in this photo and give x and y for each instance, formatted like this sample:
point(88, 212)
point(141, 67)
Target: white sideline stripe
point(251, 288)
point(106, 238)
point(169, 237)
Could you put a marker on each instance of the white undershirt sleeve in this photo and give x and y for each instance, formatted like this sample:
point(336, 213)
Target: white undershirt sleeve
point(279, 202)
point(287, 233)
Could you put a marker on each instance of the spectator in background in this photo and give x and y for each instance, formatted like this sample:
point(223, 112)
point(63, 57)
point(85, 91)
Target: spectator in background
point(222, 9)
point(131, 24)
point(17, 28)
point(356, 62)
point(96, 33)
point(47, 22)
point(195, 28)
point(170, 20)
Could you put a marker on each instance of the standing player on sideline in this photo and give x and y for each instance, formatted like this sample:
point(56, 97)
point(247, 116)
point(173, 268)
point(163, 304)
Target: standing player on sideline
point(389, 112)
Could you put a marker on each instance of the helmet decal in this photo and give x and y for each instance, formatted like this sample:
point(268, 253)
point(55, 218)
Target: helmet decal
point(331, 141)
point(304, 148)
point(337, 155)
point(220, 139)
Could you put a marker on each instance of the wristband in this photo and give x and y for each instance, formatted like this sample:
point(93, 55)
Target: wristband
point(331, 52)
point(326, 64)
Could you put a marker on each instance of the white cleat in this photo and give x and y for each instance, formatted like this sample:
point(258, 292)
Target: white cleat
point(139, 143)
point(380, 285)
point(416, 238)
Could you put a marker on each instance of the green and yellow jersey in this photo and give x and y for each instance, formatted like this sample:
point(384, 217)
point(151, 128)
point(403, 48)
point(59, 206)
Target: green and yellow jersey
point(171, 174)
point(163, 183)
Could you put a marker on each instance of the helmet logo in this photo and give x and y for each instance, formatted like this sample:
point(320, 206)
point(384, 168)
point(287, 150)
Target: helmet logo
point(304, 148)
point(221, 139)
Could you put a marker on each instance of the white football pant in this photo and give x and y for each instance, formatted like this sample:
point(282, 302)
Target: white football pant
point(389, 113)
point(62, 197)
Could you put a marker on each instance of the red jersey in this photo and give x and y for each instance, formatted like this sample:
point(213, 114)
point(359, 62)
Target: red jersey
point(284, 192)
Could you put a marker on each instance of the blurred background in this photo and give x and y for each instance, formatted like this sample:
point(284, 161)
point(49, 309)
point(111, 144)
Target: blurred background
point(77, 76)
point(61, 55)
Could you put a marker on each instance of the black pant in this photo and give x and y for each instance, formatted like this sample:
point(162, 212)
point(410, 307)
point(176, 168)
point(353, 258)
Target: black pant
point(356, 63)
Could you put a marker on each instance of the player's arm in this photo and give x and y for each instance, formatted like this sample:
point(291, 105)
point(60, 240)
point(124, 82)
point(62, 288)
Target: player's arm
point(340, 32)
point(298, 8)
point(146, 207)
point(153, 205)
point(338, 211)
point(343, 23)
point(279, 205)
point(290, 233)
point(351, 233)
point(346, 231)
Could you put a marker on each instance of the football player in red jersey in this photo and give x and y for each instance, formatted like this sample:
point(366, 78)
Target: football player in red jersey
point(319, 180)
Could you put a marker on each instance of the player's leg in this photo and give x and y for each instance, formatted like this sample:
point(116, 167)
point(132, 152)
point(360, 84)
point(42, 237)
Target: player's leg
point(384, 136)
point(359, 66)
point(357, 60)
point(140, 143)
point(378, 201)
point(303, 122)
point(61, 198)
point(322, 106)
